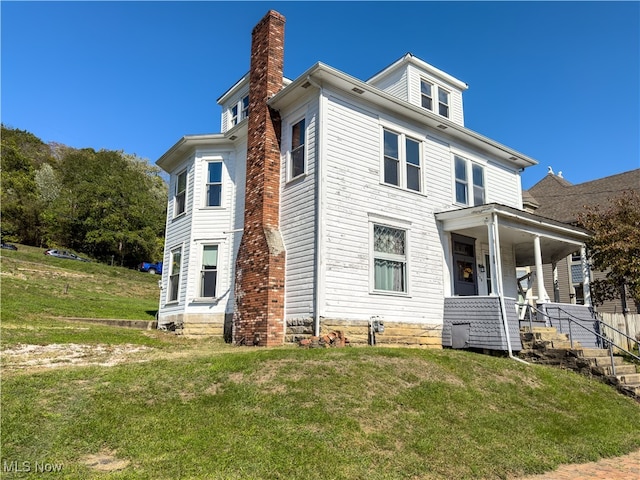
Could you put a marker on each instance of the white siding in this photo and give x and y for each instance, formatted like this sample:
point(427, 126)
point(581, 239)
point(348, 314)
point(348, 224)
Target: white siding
point(297, 216)
point(414, 75)
point(396, 84)
point(354, 196)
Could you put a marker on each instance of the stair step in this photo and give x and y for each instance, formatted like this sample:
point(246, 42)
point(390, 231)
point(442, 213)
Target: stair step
point(592, 352)
point(624, 369)
point(629, 378)
point(605, 361)
point(633, 389)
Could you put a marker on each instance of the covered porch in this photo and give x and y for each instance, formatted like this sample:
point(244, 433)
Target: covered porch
point(485, 248)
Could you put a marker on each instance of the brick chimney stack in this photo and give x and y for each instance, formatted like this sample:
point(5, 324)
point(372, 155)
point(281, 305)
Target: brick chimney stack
point(258, 317)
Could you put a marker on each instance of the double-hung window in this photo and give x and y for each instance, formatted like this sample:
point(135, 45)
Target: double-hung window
point(214, 184)
point(234, 115)
point(174, 274)
point(401, 161)
point(461, 168)
point(426, 94)
point(180, 196)
point(297, 165)
point(389, 259)
point(209, 271)
point(245, 108)
point(443, 102)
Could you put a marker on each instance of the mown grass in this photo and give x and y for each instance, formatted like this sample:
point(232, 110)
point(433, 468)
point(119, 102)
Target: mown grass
point(222, 412)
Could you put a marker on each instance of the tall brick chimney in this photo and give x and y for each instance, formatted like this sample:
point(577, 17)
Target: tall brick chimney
point(258, 317)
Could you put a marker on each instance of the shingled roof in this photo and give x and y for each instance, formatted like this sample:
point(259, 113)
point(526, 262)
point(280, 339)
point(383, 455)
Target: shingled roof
point(559, 200)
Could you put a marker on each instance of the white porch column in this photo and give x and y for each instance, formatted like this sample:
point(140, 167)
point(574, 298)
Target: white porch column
point(556, 285)
point(586, 276)
point(494, 257)
point(543, 297)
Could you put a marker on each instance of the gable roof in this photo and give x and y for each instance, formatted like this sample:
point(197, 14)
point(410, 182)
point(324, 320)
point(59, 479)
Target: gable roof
point(562, 201)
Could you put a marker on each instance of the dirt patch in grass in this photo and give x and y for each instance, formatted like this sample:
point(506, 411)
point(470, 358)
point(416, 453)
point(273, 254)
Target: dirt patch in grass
point(105, 461)
point(39, 357)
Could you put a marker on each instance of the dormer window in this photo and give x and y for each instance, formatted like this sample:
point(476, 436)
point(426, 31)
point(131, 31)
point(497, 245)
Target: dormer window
point(234, 115)
point(443, 102)
point(426, 94)
point(245, 108)
point(239, 111)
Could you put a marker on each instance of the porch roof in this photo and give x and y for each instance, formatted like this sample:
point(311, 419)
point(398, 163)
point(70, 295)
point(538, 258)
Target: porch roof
point(518, 229)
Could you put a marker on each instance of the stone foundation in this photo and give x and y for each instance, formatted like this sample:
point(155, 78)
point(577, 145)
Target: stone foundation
point(396, 334)
point(200, 324)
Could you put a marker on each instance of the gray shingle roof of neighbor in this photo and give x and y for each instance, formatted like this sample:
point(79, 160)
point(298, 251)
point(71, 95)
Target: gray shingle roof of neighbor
point(563, 201)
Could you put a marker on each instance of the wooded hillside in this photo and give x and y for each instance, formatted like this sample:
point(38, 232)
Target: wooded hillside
point(105, 204)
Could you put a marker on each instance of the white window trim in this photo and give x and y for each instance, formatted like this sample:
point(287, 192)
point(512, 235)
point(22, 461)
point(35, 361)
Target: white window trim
point(402, 154)
point(290, 125)
point(435, 96)
point(241, 113)
point(175, 193)
point(205, 195)
point(379, 219)
point(199, 298)
point(470, 162)
point(180, 275)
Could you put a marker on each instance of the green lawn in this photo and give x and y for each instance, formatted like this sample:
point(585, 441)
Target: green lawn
point(203, 409)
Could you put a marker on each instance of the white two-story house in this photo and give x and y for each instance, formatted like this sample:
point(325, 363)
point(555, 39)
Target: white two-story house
point(371, 200)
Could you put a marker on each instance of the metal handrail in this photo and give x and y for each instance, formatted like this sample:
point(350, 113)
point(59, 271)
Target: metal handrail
point(606, 341)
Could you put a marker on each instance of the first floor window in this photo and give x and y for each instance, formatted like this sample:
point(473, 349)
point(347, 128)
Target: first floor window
point(209, 271)
point(298, 132)
point(174, 274)
point(214, 184)
point(180, 193)
point(389, 259)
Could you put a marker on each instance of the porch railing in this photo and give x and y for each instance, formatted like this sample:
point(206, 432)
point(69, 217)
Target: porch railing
point(598, 332)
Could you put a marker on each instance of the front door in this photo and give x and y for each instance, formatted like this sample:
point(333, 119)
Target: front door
point(464, 265)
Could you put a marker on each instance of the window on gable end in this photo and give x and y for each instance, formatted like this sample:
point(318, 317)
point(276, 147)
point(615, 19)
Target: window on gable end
point(180, 196)
point(297, 166)
point(214, 184)
point(234, 115)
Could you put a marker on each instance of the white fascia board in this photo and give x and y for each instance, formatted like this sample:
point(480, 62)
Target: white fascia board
point(475, 216)
point(234, 89)
point(325, 75)
point(187, 144)
point(410, 58)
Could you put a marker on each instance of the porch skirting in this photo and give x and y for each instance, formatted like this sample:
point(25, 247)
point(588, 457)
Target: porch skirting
point(476, 322)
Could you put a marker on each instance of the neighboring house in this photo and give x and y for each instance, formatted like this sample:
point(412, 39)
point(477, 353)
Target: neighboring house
point(327, 201)
point(554, 197)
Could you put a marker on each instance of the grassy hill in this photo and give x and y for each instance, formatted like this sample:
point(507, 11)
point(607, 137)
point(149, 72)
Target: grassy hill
point(180, 408)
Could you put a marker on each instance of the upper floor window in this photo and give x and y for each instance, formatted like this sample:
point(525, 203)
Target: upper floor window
point(401, 161)
point(297, 165)
point(461, 168)
point(174, 274)
point(209, 271)
point(214, 184)
point(443, 102)
point(389, 259)
point(426, 94)
point(239, 111)
point(180, 194)
point(245, 108)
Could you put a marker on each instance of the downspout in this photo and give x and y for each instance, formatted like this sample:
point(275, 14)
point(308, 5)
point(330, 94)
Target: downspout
point(319, 199)
point(500, 285)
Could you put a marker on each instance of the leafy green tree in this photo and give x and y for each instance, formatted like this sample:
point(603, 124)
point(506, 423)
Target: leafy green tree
point(615, 246)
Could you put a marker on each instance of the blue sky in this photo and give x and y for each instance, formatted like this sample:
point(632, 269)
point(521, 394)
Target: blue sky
point(558, 81)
